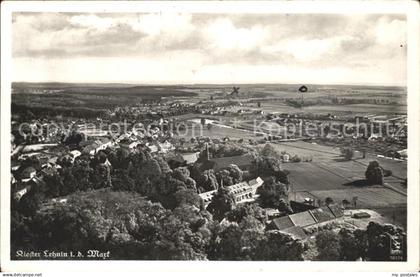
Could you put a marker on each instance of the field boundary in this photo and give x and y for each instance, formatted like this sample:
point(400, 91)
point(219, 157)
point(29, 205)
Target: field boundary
point(394, 189)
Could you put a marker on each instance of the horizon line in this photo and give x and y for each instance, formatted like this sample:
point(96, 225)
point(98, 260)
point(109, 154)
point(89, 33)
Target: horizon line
point(198, 84)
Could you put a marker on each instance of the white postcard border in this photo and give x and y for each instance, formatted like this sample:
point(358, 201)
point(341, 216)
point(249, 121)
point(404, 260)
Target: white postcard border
point(409, 8)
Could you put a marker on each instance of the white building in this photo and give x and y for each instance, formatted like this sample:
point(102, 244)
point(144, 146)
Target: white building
point(243, 191)
point(75, 154)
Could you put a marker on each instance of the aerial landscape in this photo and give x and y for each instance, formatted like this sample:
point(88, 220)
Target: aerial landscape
point(185, 154)
point(257, 170)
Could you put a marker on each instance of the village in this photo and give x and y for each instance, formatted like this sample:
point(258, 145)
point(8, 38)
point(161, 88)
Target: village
point(188, 135)
point(174, 133)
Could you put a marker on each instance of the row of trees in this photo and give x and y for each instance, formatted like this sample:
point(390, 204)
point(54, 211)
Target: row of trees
point(374, 243)
point(132, 227)
point(150, 176)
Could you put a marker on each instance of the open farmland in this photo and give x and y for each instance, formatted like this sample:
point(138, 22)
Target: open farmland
point(308, 176)
point(358, 109)
point(328, 171)
point(301, 148)
point(351, 109)
point(369, 197)
point(194, 130)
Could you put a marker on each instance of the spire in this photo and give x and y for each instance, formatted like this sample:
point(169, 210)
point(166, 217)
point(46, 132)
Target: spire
point(207, 152)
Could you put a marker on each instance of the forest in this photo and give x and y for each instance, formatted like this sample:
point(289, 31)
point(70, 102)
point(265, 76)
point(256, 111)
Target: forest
point(138, 207)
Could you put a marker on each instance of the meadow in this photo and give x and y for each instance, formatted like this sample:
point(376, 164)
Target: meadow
point(371, 197)
point(334, 99)
point(328, 169)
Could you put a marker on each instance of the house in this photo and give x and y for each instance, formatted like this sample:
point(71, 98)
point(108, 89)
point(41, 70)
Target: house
point(13, 179)
point(153, 148)
point(374, 137)
point(361, 118)
point(15, 165)
point(303, 219)
point(90, 149)
point(282, 223)
point(183, 159)
point(102, 143)
point(306, 218)
point(59, 200)
point(107, 163)
point(207, 196)
point(403, 153)
point(132, 145)
point(165, 147)
point(122, 137)
point(308, 204)
point(243, 191)
point(322, 214)
point(93, 147)
point(20, 193)
point(75, 154)
point(35, 181)
point(272, 213)
point(255, 184)
point(27, 174)
point(53, 160)
point(296, 232)
point(190, 158)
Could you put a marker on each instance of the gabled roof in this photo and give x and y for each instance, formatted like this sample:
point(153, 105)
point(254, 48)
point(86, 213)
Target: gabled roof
point(301, 207)
point(90, 147)
point(48, 171)
point(256, 182)
point(322, 214)
point(336, 211)
point(302, 219)
point(295, 231)
point(308, 218)
point(207, 196)
point(53, 160)
point(153, 148)
point(75, 153)
point(283, 222)
point(190, 158)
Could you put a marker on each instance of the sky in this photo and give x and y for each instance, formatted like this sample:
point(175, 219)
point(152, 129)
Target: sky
point(175, 48)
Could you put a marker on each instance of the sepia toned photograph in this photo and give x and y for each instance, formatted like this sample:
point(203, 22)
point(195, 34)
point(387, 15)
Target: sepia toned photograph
point(219, 136)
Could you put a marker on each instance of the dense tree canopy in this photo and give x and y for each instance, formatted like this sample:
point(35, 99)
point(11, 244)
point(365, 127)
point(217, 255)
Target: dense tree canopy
point(247, 209)
point(228, 149)
point(133, 204)
point(379, 240)
point(269, 166)
point(374, 174)
point(270, 151)
point(126, 223)
point(353, 244)
point(328, 245)
point(274, 194)
point(222, 202)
